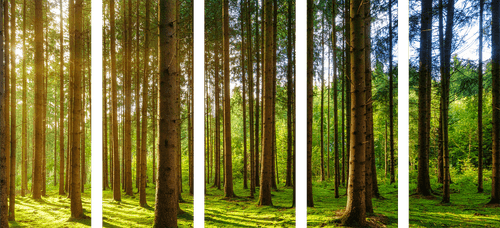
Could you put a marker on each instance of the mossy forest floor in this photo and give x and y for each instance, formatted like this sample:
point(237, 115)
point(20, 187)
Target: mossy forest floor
point(467, 209)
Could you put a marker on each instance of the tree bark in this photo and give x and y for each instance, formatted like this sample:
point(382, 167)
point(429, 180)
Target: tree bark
point(335, 104)
point(13, 109)
point(369, 151)
point(166, 204)
point(423, 185)
point(310, 96)
point(480, 102)
point(250, 95)
point(145, 83)
point(116, 156)
point(267, 137)
point(4, 210)
point(391, 97)
point(24, 161)
point(495, 185)
point(289, 90)
point(355, 213)
point(228, 162)
point(37, 182)
point(76, 201)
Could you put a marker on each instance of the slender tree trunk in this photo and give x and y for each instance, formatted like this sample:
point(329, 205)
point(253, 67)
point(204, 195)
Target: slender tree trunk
point(322, 125)
point(289, 157)
point(217, 110)
point(369, 112)
point(257, 99)
point(348, 89)
point(250, 95)
point(7, 88)
point(4, 210)
point(310, 96)
point(145, 82)
point(244, 102)
point(423, 185)
point(495, 33)
point(228, 172)
point(391, 97)
point(480, 102)
point(116, 156)
point(267, 150)
point(105, 183)
point(24, 161)
point(355, 213)
point(37, 182)
point(13, 109)
point(138, 149)
point(335, 104)
point(61, 102)
point(445, 93)
point(76, 201)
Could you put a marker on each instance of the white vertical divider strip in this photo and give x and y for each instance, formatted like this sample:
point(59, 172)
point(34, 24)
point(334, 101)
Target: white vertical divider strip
point(301, 112)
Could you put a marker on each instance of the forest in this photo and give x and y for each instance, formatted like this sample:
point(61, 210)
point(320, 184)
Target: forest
point(250, 125)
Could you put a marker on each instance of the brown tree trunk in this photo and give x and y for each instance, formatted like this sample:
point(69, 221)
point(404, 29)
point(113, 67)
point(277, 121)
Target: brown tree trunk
point(335, 104)
point(61, 101)
point(355, 212)
point(116, 156)
point(37, 182)
point(391, 98)
point(166, 203)
point(267, 150)
point(423, 185)
point(138, 149)
point(348, 84)
point(24, 161)
point(243, 104)
point(7, 88)
point(250, 95)
point(142, 189)
point(4, 210)
point(480, 102)
point(228, 172)
point(128, 96)
point(322, 125)
point(289, 157)
point(76, 201)
point(13, 109)
point(369, 112)
point(495, 185)
point(257, 98)
point(310, 96)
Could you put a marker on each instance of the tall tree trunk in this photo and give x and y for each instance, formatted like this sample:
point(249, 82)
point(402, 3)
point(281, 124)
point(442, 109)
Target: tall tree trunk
point(243, 103)
point(166, 204)
point(105, 183)
point(116, 156)
point(369, 112)
point(355, 212)
point(4, 210)
point(128, 109)
point(310, 96)
point(7, 88)
point(445, 93)
point(267, 150)
point(37, 182)
point(423, 185)
point(322, 125)
point(61, 101)
point(24, 161)
point(480, 102)
point(138, 149)
point(274, 166)
point(495, 33)
point(348, 84)
point(391, 97)
point(76, 201)
point(335, 103)
point(142, 189)
point(250, 95)
point(13, 109)
point(217, 110)
point(228, 172)
point(289, 157)
point(257, 98)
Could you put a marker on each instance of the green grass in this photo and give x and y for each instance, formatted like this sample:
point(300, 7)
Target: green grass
point(467, 208)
